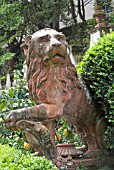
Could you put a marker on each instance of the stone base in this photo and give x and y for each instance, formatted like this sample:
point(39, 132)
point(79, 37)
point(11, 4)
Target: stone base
point(69, 158)
point(91, 164)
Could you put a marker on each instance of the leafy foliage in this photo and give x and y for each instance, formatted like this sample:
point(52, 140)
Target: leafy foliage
point(109, 137)
point(103, 2)
point(81, 40)
point(17, 96)
point(12, 158)
point(5, 57)
point(97, 69)
point(65, 133)
point(81, 167)
point(20, 18)
point(14, 98)
point(11, 22)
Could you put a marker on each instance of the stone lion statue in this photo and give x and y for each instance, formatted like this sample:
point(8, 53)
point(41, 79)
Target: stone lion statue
point(59, 92)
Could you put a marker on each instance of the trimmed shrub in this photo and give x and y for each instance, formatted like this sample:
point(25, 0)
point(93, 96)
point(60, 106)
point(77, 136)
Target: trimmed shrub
point(97, 69)
point(14, 159)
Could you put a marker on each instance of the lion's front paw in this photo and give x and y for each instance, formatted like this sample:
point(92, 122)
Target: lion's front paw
point(12, 118)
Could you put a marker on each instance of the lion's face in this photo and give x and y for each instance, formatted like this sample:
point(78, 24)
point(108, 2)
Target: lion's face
point(50, 74)
point(51, 45)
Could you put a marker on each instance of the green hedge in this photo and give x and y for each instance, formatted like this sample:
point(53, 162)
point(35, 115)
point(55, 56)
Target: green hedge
point(14, 159)
point(97, 69)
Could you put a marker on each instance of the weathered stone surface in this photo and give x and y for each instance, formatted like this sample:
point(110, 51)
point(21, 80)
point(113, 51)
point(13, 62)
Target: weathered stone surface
point(59, 92)
point(91, 164)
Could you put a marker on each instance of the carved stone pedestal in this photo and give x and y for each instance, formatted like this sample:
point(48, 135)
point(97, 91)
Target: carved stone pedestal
point(69, 158)
point(91, 164)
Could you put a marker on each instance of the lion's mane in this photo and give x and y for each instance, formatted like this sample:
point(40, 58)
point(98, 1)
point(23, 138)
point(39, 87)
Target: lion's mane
point(38, 75)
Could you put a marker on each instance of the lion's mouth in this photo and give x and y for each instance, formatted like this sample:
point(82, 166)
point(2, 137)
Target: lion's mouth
point(58, 56)
point(57, 59)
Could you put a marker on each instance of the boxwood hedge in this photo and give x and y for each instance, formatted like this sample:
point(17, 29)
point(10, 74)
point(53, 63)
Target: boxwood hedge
point(14, 159)
point(97, 69)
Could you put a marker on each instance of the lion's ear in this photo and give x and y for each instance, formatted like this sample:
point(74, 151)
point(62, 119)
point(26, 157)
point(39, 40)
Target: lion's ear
point(27, 41)
point(26, 44)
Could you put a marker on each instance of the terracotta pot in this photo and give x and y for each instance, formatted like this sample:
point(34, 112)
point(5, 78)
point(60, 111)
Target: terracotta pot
point(67, 154)
point(68, 151)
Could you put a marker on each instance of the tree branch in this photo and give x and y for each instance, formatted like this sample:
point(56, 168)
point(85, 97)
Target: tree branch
point(81, 10)
point(73, 11)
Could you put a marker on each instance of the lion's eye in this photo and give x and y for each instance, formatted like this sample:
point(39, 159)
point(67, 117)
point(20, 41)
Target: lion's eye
point(60, 38)
point(45, 38)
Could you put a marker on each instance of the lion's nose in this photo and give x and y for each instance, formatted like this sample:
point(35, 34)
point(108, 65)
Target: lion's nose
point(55, 42)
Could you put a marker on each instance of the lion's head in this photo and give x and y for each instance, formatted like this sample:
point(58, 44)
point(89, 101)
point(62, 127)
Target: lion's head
point(49, 66)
